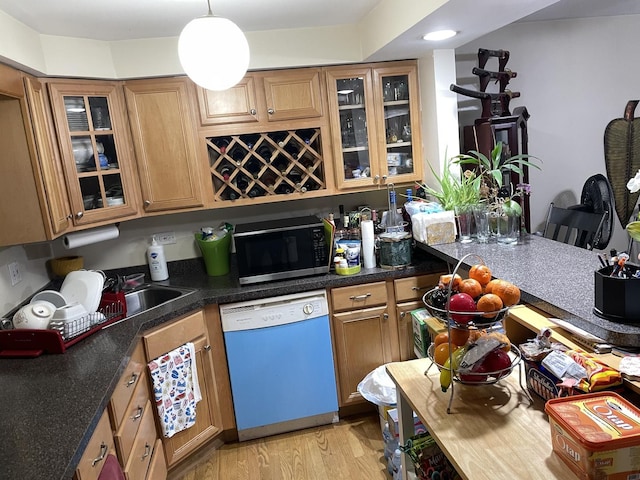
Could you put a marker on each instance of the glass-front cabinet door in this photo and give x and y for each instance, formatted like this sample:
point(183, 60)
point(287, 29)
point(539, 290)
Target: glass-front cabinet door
point(96, 150)
point(399, 136)
point(352, 110)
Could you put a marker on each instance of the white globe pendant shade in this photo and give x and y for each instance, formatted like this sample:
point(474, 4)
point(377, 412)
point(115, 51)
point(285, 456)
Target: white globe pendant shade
point(213, 52)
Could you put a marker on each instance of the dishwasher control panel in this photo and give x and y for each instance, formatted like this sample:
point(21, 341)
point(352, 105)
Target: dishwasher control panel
point(271, 312)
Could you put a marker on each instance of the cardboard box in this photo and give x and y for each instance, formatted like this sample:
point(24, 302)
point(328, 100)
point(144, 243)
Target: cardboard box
point(421, 337)
point(392, 419)
point(597, 435)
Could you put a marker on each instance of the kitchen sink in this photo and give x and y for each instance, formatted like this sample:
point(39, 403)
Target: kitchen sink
point(146, 297)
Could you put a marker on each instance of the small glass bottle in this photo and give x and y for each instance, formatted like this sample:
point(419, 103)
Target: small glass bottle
point(394, 219)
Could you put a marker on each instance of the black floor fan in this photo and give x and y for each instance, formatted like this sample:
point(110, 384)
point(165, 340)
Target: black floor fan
point(597, 197)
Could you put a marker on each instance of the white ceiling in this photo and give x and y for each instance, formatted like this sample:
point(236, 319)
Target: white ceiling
point(114, 20)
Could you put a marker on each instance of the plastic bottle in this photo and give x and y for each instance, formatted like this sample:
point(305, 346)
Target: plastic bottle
point(406, 216)
point(157, 261)
point(393, 467)
point(394, 219)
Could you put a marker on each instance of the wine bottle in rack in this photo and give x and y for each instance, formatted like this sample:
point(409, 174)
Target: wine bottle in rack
point(284, 188)
point(226, 170)
point(280, 163)
point(292, 150)
point(222, 144)
point(256, 191)
point(279, 138)
point(250, 140)
point(265, 152)
point(306, 135)
point(296, 177)
point(237, 153)
point(253, 166)
point(229, 194)
point(242, 182)
point(269, 179)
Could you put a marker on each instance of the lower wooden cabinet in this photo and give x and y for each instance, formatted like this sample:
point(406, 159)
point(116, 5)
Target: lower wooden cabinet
point(365, 335)
point(167, 337)
point(142, 450)
point(95, 455)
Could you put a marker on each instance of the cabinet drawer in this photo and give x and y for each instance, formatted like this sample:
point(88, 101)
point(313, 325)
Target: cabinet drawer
point(126, 433)
point(95, 454)
point(127, 384)
point(179, 332)
point(143, 445)
point(158, 466)
point(359, 296)
point(413, 288)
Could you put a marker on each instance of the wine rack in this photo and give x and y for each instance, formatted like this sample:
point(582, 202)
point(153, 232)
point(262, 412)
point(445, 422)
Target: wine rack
point(264, 164)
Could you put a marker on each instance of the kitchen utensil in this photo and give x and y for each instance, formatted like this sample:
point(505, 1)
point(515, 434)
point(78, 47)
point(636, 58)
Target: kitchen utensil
point(56, 298)
point(85, 287)
point(34, 315)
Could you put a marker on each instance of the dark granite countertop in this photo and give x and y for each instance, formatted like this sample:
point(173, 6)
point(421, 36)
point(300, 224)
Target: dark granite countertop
point(552, 276)
point(52, 403)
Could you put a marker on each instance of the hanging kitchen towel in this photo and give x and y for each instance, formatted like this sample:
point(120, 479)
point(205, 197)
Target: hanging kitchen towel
point(176, 389)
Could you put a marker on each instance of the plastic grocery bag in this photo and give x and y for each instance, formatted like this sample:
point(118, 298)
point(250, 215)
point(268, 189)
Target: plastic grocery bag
point(378, 388)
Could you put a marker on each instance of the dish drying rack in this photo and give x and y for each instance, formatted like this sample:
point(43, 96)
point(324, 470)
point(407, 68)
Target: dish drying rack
point(61, 335)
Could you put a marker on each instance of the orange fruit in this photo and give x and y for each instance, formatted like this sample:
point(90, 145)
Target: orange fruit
point(481, 273)
point(488, 288)
point(441, 338)
point(445, 279)
point(459, 336)
point(508, 293)
point(471, 287)
point(489, 302)
point(441, 354)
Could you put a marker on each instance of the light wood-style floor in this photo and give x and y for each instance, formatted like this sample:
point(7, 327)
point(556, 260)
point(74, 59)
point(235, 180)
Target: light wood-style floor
point(351, 450)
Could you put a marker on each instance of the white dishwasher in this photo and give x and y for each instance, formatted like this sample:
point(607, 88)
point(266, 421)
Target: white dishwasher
point(280, 361)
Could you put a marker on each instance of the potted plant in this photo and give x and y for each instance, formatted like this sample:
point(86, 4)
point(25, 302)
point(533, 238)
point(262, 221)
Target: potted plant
point(496, 189)
point(458, 192)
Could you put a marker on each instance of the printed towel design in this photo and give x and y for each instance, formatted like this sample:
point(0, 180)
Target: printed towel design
point(176, 389)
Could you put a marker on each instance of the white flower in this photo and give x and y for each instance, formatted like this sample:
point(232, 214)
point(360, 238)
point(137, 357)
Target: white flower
point(633, 185)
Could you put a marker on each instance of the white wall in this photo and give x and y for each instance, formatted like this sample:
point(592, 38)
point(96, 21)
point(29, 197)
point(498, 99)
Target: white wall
point(575, 76)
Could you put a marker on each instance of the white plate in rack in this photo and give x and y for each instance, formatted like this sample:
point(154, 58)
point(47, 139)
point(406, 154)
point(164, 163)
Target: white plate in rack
point(84, 287)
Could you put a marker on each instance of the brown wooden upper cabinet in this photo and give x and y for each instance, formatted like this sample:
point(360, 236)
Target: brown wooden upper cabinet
point(375, 117)
point(97, 154)
point(165, 138)
point(34, 207)
point(264, 97)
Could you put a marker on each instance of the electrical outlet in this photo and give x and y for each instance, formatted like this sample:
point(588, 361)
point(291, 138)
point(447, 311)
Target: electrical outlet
point(166, 238)
point(14, 273)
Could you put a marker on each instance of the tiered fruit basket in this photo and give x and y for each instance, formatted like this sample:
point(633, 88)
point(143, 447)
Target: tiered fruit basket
point(474, 350)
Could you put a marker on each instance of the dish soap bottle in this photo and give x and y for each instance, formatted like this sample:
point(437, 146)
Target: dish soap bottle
point(157, 261)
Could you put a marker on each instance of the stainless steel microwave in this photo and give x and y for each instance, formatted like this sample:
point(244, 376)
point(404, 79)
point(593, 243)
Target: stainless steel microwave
point(281, 249)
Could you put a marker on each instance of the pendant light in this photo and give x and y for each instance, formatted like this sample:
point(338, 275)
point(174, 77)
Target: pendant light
point(213, 51)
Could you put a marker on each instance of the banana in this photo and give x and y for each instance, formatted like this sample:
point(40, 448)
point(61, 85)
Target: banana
point(446, 374)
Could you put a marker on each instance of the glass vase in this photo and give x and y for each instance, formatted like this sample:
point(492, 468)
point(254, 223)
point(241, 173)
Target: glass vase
point(508, 229)
point(464, 216)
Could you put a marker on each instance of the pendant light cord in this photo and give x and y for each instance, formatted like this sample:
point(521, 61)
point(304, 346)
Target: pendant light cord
point(210, 14)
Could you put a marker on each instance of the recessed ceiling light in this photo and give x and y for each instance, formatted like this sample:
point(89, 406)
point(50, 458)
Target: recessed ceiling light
point(439, 35)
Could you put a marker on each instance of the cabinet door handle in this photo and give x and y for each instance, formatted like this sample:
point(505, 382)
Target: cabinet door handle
point(207, 348)
point(271, 111)
point(384, 177)
point(252, 111)
point(147, 203)
point(360, 298)
point(376, 178)
point(147, 451)
point(132, 380)
point(79, 214)
point(385, 316)
point(403, 314)
point(138, 414)
point(419, 288)
point(103, 453)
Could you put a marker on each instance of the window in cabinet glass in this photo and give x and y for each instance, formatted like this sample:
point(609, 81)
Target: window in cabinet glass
point(397, 121)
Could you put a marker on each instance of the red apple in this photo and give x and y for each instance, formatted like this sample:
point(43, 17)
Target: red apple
point(462, 302)
point(497, 361)
point(477, 378)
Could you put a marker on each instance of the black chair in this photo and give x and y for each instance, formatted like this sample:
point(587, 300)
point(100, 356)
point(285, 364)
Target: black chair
point(574, 227)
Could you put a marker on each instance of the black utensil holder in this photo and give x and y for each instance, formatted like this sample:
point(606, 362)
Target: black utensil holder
point(617, 299)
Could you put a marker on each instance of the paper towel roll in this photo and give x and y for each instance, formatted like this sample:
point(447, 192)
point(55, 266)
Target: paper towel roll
point(368, 244)
point(87, 237)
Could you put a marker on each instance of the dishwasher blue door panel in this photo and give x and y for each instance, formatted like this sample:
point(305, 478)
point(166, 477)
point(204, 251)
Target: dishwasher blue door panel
point(281, 373)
